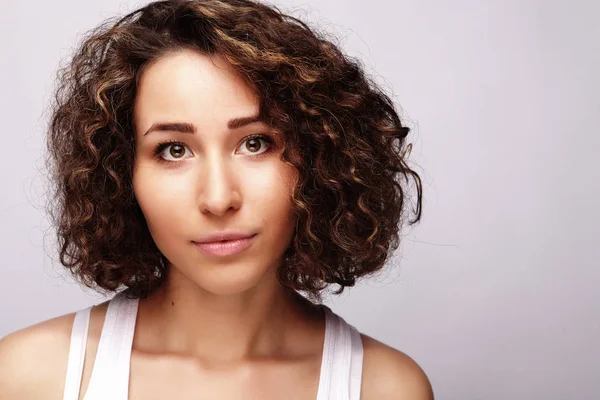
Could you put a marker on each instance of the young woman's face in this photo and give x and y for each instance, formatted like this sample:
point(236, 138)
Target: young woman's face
point(213, 180)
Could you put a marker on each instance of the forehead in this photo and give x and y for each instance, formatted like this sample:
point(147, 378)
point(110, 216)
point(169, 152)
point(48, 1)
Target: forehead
point(186, 85)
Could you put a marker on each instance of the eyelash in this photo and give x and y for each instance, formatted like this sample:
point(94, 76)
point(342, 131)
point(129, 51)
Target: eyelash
point(163, 145)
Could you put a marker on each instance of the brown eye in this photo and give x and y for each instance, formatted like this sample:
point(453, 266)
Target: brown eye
point(253, 144)
point(171, 151)
point(258, 145)
point(177, 150)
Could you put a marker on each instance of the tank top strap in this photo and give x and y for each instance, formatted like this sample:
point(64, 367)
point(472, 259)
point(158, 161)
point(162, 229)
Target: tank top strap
point(341, 365)
point(356, 363)
point(110, 374)
point(79, 335)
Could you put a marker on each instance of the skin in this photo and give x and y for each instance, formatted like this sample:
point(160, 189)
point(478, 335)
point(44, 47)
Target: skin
point(219, 327)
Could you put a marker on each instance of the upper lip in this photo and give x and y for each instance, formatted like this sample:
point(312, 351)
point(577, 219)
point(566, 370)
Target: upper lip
point(225, 235)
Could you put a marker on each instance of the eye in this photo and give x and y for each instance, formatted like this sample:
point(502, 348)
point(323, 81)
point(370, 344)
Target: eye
point(175, 150)
point(254, 144)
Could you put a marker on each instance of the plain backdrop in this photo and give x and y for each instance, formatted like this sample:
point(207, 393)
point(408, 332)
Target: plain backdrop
point(495, 294)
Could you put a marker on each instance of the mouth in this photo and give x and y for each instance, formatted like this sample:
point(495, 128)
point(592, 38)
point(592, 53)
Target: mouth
point(222, 248)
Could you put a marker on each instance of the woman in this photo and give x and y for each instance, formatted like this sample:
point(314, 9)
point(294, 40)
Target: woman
point(214, 159)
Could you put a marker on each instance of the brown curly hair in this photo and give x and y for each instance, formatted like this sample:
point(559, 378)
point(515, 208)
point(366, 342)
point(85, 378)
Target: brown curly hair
point(342, 134)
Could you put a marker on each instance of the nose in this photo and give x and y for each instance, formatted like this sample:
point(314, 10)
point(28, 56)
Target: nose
point(219, 189)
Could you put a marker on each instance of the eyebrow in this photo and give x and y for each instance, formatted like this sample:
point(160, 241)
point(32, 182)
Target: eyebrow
point(185, 127)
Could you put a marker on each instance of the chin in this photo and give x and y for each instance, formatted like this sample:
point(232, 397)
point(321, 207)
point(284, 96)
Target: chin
point(226, 279)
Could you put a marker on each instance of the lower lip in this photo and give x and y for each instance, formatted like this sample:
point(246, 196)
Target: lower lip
point(228, 248)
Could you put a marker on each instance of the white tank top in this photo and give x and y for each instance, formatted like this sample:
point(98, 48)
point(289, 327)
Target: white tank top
point(341, 364)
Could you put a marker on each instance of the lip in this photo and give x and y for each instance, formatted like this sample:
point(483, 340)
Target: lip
point(225, 235)
point(228, 248)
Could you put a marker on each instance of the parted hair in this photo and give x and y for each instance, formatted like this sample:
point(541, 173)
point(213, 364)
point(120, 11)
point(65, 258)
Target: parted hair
point(342, 133)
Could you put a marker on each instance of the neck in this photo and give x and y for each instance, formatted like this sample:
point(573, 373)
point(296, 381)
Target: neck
point(263, 321)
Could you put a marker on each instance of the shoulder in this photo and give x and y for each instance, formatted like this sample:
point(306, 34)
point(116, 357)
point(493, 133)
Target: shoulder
point(391, 374)
point(32, 359)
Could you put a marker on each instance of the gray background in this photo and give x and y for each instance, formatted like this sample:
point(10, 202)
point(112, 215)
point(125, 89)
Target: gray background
point(495, 294)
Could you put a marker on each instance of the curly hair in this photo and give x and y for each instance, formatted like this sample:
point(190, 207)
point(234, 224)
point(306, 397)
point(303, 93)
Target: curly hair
point(342, 134)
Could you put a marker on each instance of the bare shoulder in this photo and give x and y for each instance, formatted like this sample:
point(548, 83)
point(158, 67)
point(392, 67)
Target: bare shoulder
point(32, 359)
point(391, 374)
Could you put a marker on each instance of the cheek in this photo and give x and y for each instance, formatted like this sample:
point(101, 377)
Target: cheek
point(159, 195)
point(270, 187)
point(270, 196)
